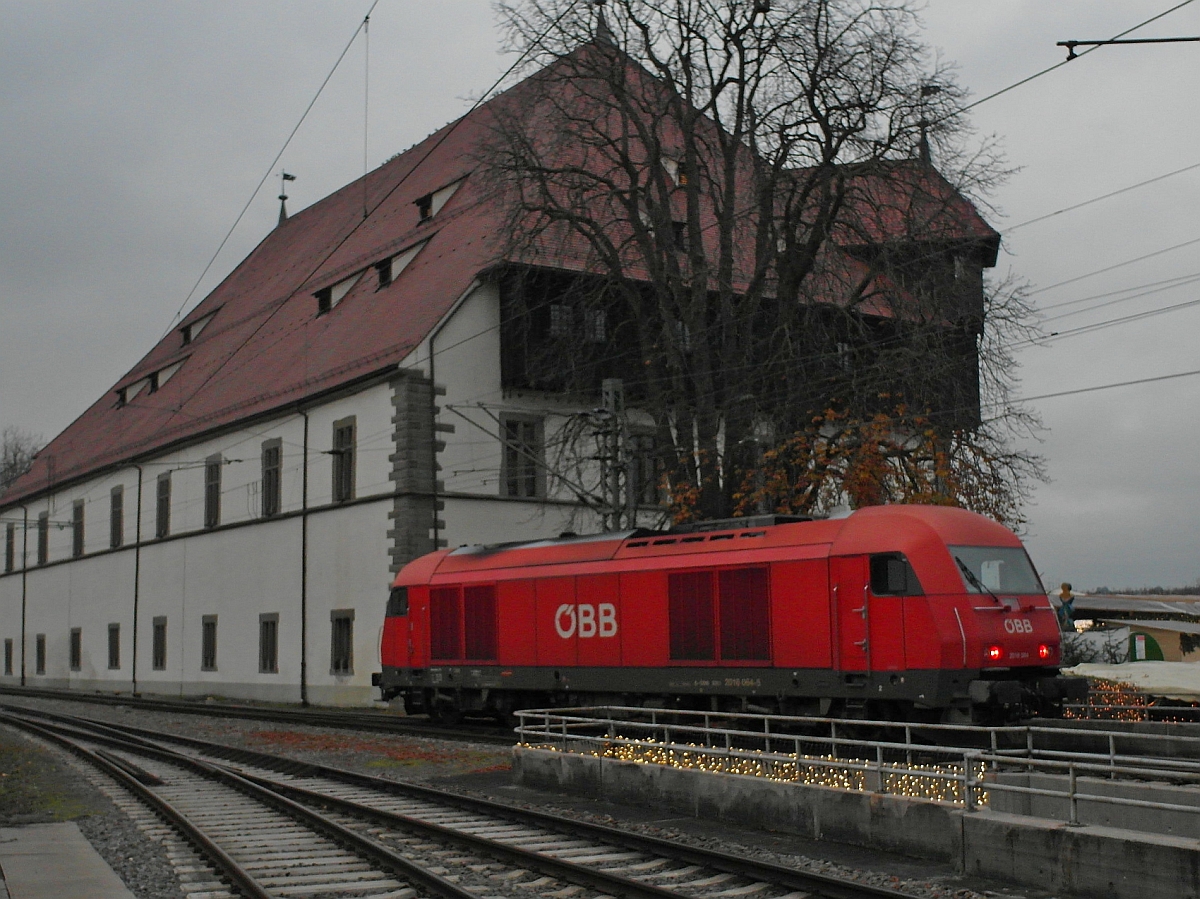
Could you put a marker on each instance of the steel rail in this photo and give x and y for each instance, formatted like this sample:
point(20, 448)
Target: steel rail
point(236, 874)
point(357, 843)
point(581, 875)
point(825, 886)
point(371, 720)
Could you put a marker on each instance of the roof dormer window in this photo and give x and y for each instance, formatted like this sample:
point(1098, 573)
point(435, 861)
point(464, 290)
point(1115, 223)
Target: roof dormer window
point(675, 171)
point(431, 204)
point(152, 383)
point(389, 269)
point(384, 271)
point(328, 297)
point(192, 330)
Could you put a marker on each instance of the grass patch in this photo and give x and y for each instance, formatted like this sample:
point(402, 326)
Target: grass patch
point(36, 786)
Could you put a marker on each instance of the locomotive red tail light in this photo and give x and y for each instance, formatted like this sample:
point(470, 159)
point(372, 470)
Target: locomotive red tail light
point(1045, 650)
point(995, 653)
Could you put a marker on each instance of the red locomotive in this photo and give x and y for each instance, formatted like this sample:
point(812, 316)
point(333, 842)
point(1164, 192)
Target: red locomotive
point(894, 611)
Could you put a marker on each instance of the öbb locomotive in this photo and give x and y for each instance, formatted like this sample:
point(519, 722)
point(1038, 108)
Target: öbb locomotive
point(899, 612)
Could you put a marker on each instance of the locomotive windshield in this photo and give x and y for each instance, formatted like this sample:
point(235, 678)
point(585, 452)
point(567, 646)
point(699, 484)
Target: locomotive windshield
point(1000, 569)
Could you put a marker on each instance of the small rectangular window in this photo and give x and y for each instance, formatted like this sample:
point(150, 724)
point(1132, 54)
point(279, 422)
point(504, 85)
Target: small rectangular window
point(594, 326)
point(272, 465)
point(645, 471)
point(324, 300)
point(268, 643)
point(425, 207)
point(562, 320)
point(162, 506)
point(679, 233)
point(159, 650)
point(343, 459)
point(892, 575)
point(523, 462)
point(397, 602)
point(10, 547)
point(114, 647)
point(116, 517)
point(43, 548)
point(208, 643)
point(212, 491)
point(77, 529)
point(76, 648)
point(8, 656)
point(384, 270)
point(341, 650)
point(843, 356)
point(39, 654)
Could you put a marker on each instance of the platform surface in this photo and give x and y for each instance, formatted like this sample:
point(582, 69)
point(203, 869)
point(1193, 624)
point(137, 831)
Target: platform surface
point(55, 861)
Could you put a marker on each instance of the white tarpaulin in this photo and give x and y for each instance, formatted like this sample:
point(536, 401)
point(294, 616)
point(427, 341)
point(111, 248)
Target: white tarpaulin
point(1174, 680)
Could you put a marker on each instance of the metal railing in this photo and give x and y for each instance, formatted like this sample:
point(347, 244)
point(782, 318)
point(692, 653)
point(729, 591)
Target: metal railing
point(961, 764)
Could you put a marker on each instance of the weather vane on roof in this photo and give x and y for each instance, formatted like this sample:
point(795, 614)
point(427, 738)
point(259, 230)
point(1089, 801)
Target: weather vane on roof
point(284, 178)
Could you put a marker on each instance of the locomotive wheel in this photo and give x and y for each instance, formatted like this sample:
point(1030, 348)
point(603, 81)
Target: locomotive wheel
point(446, 715)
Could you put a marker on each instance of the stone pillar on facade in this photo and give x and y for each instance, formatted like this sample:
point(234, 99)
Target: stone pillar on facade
point(415, 504)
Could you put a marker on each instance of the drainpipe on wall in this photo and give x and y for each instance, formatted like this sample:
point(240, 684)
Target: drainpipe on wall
point(137, 574)
point(24, 581)
point(304, 571)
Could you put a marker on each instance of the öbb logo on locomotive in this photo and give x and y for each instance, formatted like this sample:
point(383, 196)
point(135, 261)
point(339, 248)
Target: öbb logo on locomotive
point(918, 612)
point(586, 619)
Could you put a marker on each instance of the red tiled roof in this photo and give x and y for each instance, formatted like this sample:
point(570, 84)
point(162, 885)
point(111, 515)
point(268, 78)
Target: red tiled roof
point(265, 348)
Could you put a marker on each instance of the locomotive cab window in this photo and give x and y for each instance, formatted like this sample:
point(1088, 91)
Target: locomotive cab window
point(397, 602)
point(893, 575)
point(1000, 569)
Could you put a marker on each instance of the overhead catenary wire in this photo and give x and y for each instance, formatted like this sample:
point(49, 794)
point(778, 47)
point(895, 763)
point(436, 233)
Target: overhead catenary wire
point(270, 169)
point(316, 266)
point(1115, 266)
point(1059, 65)
point(1109, 195)
point(1176, 283)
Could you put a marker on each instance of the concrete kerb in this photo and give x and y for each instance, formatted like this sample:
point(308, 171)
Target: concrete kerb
point(1091, 861)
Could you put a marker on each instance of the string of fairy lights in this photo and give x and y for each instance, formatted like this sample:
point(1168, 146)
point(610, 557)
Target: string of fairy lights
point(938, 781)
point(960, 781)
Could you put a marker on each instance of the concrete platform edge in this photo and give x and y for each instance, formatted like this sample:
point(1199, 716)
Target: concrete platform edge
point(53, 861)
point(1089, 861)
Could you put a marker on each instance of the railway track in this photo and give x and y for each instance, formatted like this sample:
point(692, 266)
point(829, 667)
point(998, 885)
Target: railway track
point(271, 826)
point(367, 720)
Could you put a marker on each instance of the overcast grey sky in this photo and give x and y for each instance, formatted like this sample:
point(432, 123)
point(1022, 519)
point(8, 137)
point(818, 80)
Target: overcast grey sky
point(132, 133)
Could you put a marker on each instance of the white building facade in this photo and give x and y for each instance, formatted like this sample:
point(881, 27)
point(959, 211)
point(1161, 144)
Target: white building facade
point(255, 562)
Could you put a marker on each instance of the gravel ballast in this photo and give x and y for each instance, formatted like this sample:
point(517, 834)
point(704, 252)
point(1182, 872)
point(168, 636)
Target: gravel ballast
point(478, 770)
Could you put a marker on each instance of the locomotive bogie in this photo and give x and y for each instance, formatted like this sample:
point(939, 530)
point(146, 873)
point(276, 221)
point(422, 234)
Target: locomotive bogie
point(892, 612)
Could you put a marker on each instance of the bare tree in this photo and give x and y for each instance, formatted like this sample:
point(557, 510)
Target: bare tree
point(17, 449)
point(746, 191)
